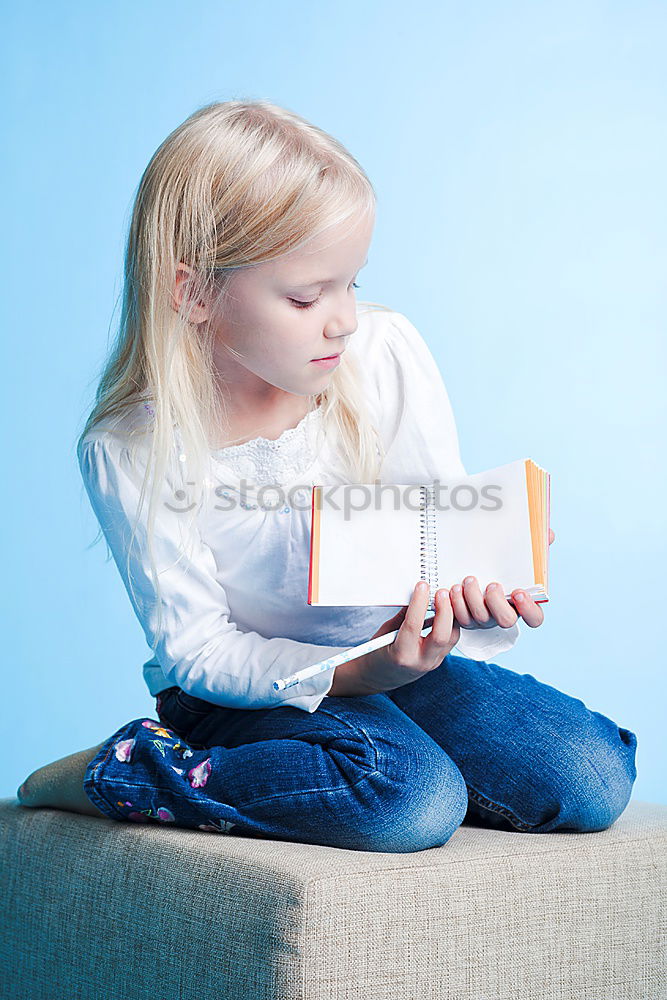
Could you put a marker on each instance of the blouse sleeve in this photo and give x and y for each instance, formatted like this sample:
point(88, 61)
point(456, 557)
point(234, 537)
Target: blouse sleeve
point(421, 443)
point(201, 650)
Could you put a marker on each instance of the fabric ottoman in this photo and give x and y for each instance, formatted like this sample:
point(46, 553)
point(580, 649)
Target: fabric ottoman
point(106, 910)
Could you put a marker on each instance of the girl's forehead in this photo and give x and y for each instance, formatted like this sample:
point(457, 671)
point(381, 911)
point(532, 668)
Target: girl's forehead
point(333, 256)
point(326, 260)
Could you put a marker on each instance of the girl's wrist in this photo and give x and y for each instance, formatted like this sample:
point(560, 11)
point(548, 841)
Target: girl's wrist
point(353, 678)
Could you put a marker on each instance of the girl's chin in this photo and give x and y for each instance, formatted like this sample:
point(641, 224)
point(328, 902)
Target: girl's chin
point(326, 366)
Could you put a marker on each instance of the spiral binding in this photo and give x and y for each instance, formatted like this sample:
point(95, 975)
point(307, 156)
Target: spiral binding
point(428, 547)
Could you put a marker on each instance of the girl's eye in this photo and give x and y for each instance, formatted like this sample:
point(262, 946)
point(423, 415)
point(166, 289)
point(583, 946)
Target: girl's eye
point(307, 305)
point(303, 305)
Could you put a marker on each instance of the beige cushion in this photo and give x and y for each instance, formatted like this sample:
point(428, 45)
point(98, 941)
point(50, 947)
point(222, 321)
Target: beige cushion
point(100, 909)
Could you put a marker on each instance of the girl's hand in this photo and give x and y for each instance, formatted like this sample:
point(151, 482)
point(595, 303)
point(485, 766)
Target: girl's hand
point(411, 654)
point(472, 610)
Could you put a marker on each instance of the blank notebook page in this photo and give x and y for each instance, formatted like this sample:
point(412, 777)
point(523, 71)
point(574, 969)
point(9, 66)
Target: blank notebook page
point(492, 525)
point(491, 544)
point(377, 546)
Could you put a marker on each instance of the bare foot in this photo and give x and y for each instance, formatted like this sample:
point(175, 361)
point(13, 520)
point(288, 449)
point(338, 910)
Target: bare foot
point(60, 785)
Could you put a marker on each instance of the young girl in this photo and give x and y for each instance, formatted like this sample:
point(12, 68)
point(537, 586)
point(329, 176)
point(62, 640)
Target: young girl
point(249, 230)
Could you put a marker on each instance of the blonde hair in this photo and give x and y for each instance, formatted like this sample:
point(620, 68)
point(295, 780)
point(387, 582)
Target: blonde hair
point(236, 184)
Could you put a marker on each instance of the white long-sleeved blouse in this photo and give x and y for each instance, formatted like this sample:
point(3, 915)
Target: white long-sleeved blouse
point(235, 612)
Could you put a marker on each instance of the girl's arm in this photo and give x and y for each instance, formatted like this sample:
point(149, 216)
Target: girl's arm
point(201, 649)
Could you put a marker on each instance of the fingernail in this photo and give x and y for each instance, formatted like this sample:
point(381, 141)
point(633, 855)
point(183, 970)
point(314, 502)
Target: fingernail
point(469, 579)
point(492, 586)
point(519, 597)
point(456, 589)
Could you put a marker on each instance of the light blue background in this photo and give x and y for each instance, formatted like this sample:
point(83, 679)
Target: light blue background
point(519, 155)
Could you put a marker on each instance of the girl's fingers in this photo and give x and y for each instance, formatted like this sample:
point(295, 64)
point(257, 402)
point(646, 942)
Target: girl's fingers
point(475, 601)
point(551, 536)
point(471, 609)
point(531, 612)
point(459, 606)
point(416, 612)
point(465, 606)
point(441, 632)
point(500, 608)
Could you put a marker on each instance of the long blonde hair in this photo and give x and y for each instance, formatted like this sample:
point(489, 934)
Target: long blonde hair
point(236, 184)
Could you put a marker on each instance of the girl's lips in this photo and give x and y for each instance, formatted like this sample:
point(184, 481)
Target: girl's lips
point(327, 358)
point(327, 362)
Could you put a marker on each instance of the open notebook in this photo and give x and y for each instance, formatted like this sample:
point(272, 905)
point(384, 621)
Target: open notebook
point(371, 543)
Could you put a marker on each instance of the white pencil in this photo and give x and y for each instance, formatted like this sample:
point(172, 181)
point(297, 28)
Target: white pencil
point(347, 654)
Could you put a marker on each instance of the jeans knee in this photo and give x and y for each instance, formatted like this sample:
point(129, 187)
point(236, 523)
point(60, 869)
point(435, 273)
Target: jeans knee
point(420, 811)
point(597, 778)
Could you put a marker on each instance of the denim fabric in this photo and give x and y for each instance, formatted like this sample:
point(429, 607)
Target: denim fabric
point(471, 741)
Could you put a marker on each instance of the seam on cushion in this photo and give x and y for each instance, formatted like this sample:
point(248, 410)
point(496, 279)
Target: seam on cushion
point(363, 872)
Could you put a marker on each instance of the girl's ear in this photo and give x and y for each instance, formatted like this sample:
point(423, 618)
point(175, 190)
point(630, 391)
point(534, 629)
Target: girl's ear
point(197, 311)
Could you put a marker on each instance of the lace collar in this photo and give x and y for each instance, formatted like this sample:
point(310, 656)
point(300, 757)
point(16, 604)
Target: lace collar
point(263, 462)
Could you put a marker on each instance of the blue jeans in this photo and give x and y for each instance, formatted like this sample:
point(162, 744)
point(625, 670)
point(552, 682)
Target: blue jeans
point(399, 771)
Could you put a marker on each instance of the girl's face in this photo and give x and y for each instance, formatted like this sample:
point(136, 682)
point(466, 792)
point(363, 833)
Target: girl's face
point(280, 315)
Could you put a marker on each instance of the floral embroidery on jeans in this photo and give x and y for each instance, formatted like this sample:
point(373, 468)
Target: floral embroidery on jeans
point(124, 749)
point(161, 814)
point(166, 741)
point(199, 775)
